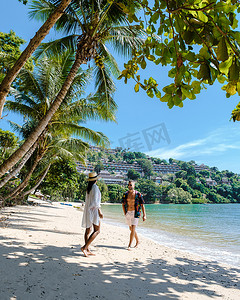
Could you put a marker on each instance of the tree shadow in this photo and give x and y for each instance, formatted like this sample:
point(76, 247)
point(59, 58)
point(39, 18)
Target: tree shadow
point(51, 272)
point(110, 247)
point(34, 270)
point(25, 220)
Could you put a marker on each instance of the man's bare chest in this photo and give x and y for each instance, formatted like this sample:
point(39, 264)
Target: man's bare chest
point(131, 201)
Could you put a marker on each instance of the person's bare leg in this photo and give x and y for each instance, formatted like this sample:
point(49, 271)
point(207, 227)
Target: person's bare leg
point(89, 241)
point(86, 235)
point(132, 235)
point(130, 228)
point(136, 238)
point(84, 251)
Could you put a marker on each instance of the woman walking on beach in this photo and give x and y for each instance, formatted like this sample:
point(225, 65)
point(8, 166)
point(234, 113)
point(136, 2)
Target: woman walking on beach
point(92, 213)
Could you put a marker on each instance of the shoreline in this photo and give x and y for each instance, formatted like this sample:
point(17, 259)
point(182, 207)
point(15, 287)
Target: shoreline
point(200, 243)
point(40, 248)
point(167, 241)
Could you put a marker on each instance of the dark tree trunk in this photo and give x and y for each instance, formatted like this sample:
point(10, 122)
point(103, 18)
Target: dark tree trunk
point(38, 183)
point(86, 50)
point(24, 183)
point(19, 167)
point(32, 46)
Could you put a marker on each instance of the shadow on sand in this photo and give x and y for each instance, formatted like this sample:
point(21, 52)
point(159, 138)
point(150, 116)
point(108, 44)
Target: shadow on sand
point(50, 272)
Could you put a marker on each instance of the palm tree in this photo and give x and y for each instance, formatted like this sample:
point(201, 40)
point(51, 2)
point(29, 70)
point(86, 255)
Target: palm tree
point(32, 46)
point(93, 25)
point(32, 99)
point(50, 149)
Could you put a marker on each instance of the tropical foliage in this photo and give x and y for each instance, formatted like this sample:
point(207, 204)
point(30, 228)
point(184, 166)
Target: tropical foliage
point(12, 73)
point(33, 98)
point(8, 142)
point(185, 186)
point(198, 40)
point(89, 27)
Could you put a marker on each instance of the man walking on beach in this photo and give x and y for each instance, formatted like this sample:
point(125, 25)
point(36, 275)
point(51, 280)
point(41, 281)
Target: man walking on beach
point(132, 203)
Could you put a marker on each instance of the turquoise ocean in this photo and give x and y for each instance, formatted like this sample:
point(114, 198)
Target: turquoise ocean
point(210, 230)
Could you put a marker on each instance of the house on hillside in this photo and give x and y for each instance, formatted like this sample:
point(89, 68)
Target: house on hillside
point(211, 182)
point(198, 180)
point(225, 180)
point(157, 180)
point(111, 178)
point(81, 168)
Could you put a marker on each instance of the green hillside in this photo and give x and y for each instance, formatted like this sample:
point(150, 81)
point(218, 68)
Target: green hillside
point(189, 184)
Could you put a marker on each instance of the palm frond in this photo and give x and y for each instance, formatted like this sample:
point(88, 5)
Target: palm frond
point(57, 46)
point(40, 10)
point(21, 97)
point(109, 60)
point(15, 127)
point(29, 84)
point(125, 39)
point(89, 135)
point(68, 22)
point(105, 88)
point(89, 109)
point(78, 85)
point(21, 109)
point(73, 145)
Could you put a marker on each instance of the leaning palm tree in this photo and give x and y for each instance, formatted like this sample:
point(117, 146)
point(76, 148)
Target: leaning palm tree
point(51, 148)
point(90, 26)
point(35, 95)
point(32, 46)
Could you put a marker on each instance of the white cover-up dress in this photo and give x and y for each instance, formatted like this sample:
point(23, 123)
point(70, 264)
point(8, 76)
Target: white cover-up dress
point(92, 204)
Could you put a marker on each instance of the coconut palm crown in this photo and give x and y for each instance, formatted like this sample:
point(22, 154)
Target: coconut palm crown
point(90, 26)
point(34, 97)
point(93, 29)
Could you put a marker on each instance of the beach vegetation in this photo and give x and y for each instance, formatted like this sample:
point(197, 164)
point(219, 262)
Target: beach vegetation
point(115, 192)
point(196, 41)
point(178, 196)
point(89, 27)
point(8, 143)
point(207, 185)
point(33, 98)
point(199, 201)
point(10, 51)
point(151, 191)
point(62, 181)
point(132, 174)
point(6, 82)
point(104, 190)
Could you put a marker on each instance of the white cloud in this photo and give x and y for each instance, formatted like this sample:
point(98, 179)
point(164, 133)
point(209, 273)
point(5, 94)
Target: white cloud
point(217, 142)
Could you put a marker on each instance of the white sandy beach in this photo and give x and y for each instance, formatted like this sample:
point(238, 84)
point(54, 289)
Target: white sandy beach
point(41, 259)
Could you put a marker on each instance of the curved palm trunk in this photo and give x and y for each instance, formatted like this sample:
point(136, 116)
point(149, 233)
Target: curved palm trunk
point(19, 167)
point(38, 183)
point(32, 46)
point(24, 183)
point(86, 49)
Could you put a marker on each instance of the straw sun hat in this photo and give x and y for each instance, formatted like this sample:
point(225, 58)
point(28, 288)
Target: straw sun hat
point(92, 176)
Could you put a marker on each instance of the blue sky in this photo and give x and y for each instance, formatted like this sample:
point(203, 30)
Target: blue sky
point(199, 131)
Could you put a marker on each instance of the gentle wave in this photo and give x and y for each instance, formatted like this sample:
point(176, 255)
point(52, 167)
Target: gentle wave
point(212, 231)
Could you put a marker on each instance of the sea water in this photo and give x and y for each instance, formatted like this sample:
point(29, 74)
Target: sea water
point(210, 230)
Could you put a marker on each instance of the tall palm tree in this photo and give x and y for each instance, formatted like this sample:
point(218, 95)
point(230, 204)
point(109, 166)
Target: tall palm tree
point(38, 90)
point(5, 85)
point(50, 149)
point(93, 25)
